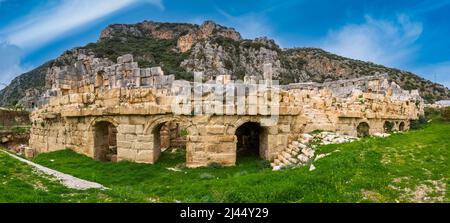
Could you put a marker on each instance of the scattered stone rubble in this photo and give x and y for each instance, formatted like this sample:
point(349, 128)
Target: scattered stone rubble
point(302, 151)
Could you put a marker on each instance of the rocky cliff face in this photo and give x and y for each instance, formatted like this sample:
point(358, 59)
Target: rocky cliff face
point(35, 79)
point(181, 49)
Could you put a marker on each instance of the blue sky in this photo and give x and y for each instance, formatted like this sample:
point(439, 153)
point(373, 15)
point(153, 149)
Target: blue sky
point(407, 34)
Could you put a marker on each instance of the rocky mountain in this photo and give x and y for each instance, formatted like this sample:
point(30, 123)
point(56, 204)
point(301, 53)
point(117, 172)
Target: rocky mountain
point(181, 49)
point(16, 90)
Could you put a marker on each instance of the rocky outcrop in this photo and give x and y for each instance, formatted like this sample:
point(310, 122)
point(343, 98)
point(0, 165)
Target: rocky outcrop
point(181, 49)
point(147, 29)
point(205, 31)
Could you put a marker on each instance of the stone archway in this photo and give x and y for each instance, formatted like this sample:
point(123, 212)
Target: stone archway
point(252, 140)
point(401, 127)
point(388, 126)
point(363, 129)
point(105, 141)
point(167, 132)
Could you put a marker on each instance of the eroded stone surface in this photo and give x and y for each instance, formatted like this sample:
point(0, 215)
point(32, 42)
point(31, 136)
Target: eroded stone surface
point(137, 101)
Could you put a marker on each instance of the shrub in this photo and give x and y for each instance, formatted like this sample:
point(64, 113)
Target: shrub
point(263, 164)
point(432, 113)
point(388, 126)
point(20, 130)
point(215, 165)
point(445, 114)
point(419, 123)
point(184, 133)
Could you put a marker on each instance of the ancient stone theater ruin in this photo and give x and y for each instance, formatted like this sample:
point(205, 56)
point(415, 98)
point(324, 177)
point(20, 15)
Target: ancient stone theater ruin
point(118, 111)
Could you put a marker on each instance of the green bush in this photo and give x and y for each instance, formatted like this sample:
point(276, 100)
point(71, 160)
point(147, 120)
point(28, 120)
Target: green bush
point(20, 129)
point(419, 123)
point(445, 114)
point(263, 164)
point(215, 165)
point(388, 127)
point(184, 133)
point(432, 113)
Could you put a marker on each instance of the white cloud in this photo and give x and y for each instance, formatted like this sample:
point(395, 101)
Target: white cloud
point(43, 26)
point(250, 25)
point(10, 66)
point(47, 24)
point(387, 42)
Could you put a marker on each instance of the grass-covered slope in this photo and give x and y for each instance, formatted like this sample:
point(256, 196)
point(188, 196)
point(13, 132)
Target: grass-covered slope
point(409, 167)
point(21, 183)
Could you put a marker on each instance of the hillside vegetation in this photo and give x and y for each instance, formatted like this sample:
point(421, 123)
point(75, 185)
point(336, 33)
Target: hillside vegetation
point(181, 49)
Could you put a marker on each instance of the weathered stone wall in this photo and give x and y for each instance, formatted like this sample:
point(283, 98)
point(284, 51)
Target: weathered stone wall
point(138, 114)
point(211, 139)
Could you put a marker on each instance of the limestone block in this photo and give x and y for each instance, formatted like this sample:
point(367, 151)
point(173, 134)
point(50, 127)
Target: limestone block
point(220, 148)
point(215, 129)
point(282, 140)
point(285, 128)
point(131, 137)
point(143, 146)
point(127, 58)
point(157, 71)
point(126, 154)
point(127, 129)
point(225, 159)
point(124, 144)
point(75, 98)
point(145, 156)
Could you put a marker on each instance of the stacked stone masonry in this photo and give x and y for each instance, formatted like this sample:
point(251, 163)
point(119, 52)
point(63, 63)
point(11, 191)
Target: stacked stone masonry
point(138, 102)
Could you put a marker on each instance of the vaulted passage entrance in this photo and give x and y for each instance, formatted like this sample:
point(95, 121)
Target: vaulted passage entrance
point(251, 140)
point(105, 142)
point(363, 129)
point(388, 126)
point(401, 127)
point(168, 135)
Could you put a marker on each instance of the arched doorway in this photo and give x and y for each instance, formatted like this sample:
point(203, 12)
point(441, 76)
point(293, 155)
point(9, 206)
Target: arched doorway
point(168, 135)
point(251, 141)
point(105, 142)
point(401, 127)
point(388, 126)
point(363, 129)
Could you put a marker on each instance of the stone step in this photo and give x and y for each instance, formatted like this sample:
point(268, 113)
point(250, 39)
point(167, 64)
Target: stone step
point(286, 154)
point(308, 152)
point(293, 160)
point(294, 153)
point(303, 158)
point(286, 161)
point(277, 162)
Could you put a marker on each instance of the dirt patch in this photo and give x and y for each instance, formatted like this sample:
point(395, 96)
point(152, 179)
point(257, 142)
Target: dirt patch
point(372, 196)
point(430, 191)
point(400, 179)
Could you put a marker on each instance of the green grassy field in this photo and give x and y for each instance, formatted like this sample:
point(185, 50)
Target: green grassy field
point(409, 167)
